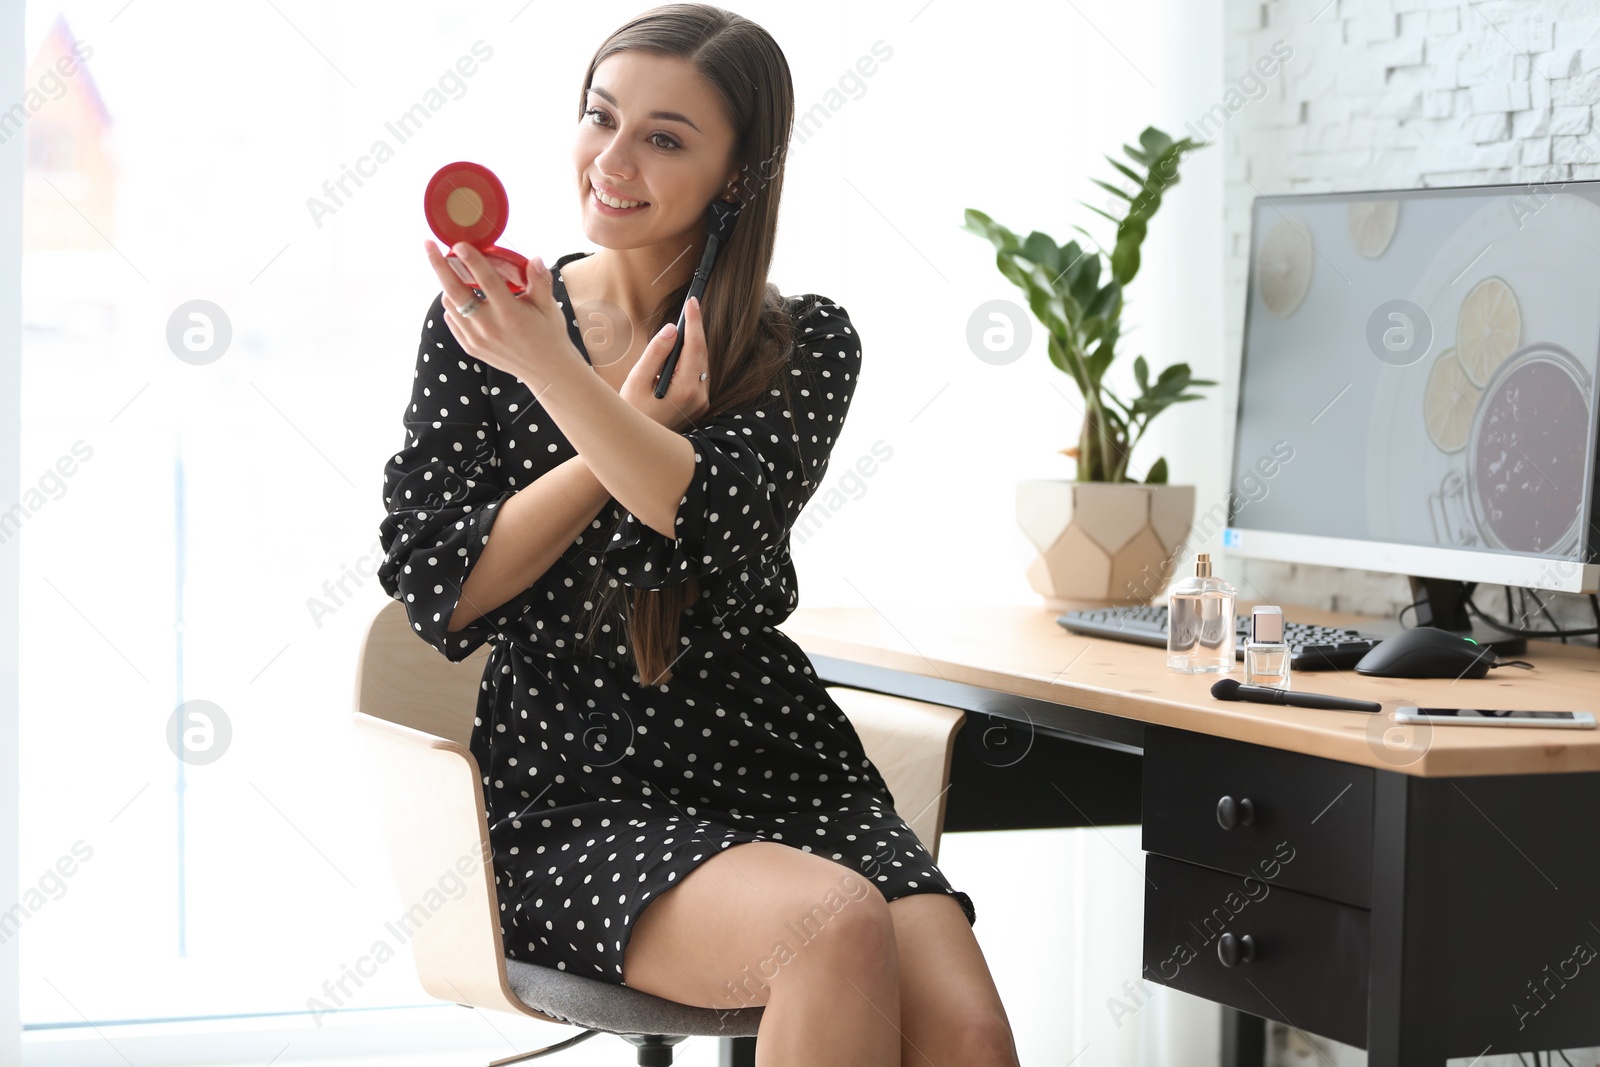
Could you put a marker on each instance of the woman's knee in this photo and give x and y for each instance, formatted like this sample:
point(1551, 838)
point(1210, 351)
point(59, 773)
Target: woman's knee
point(845, 923)
point(983, 1039)
point(814, 911)
point(752, 915)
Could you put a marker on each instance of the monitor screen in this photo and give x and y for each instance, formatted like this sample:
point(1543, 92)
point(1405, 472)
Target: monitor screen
point(1419, 372)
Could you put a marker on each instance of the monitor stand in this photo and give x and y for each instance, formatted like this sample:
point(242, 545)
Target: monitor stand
point(1443, 603)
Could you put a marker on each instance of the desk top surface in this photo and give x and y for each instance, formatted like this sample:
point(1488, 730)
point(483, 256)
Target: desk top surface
point(1022, 650)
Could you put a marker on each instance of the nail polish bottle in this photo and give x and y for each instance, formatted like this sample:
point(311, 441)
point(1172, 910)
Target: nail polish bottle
point(1266, 655)
point(1200, 622)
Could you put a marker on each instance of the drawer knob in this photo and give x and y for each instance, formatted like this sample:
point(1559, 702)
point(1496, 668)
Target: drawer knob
point(1233, 950)
point(1232, 813)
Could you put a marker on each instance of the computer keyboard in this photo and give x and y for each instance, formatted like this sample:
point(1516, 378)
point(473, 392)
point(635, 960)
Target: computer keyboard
point(1311, 648)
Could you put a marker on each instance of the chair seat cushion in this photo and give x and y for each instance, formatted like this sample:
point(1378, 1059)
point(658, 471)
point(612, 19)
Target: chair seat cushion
point(617, 1009)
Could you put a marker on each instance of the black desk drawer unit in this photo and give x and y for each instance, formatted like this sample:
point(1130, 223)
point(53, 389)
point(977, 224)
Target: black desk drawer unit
point(1257, 947)
point(1298, 822)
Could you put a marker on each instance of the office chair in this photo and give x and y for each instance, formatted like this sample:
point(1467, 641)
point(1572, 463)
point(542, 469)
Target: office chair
point(414, 712)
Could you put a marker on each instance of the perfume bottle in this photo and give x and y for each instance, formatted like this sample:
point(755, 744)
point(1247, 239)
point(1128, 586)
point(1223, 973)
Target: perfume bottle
point(1266, 655)
point(1200, 622)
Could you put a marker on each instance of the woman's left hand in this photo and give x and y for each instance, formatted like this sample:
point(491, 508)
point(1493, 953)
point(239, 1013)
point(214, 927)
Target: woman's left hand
point(517, 334)
point(688, 398)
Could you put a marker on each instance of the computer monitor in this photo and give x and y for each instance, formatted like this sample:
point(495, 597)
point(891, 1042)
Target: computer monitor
point(1417, 390)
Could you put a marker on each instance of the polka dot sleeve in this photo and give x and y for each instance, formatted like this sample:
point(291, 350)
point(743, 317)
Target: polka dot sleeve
point(442, 494)
point(754, 468)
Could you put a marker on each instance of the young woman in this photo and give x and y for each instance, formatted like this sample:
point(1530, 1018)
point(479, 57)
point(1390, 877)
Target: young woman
point(676, 803)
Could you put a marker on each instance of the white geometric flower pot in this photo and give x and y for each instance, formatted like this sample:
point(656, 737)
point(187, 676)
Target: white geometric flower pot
point(1097, 543)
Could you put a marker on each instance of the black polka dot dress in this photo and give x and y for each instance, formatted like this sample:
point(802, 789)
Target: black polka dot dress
point(601, 793)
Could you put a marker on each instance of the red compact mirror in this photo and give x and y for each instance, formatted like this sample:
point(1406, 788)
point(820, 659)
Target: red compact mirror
point(466, 202)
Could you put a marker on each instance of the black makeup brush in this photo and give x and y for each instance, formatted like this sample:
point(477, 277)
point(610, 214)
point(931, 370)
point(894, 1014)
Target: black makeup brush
point(720, 219)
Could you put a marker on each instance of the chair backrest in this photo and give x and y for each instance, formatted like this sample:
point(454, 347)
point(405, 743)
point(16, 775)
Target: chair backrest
point(401, 680)
point(912, 743)
point(414, 712)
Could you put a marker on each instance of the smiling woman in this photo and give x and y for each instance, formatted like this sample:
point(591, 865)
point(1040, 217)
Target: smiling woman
point(668, 783)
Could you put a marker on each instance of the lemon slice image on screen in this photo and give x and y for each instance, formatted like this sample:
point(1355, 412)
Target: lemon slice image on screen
point(1283, 267)
point(1449, 402)
point(1488, 328)
point(1372, 225)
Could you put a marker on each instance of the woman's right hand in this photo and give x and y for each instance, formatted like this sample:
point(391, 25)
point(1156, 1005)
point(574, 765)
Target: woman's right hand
point(688, 398)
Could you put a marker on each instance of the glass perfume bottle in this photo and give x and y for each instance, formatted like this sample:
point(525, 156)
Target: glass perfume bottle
point(1200, 622)
point(1266, 655)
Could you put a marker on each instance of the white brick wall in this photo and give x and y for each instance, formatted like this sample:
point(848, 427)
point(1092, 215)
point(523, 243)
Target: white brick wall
point(1382, 94)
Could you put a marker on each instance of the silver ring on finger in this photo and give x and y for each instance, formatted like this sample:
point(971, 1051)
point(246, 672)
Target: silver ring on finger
point(468, 308)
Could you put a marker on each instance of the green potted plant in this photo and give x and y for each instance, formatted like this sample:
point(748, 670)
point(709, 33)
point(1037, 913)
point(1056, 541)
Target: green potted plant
point(1106, 536)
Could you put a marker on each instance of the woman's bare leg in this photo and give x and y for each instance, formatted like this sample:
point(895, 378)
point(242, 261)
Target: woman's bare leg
point(950, 1010)
point(764, 923)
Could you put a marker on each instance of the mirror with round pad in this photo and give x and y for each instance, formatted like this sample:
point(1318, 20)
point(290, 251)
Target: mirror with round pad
point(466, 202)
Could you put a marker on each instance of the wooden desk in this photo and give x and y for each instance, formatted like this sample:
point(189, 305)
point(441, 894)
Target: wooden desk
point(1422, 893)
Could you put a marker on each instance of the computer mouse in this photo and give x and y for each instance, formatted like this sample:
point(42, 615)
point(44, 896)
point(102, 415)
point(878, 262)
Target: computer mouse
point(1427, 652)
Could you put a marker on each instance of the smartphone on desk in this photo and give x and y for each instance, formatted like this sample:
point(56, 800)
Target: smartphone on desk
point(1577, 720)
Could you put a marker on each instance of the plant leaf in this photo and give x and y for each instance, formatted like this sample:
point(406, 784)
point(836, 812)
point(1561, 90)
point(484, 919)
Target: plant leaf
point(1158, 472)
point(1072, 258)
point(982, 225)
point(1043, 302)
point(1096, 363)
point(1042, 250)
point(1125, 260)
point(1083, 280)
point(1064, 360)
point(1011, 269)
point(1138, 179)
point(1154, 141)
point(1112, 189)
point(1112, 332)
point(1100, 305)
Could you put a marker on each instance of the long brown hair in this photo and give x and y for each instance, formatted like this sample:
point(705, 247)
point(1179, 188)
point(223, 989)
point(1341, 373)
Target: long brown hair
point(749, 335)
